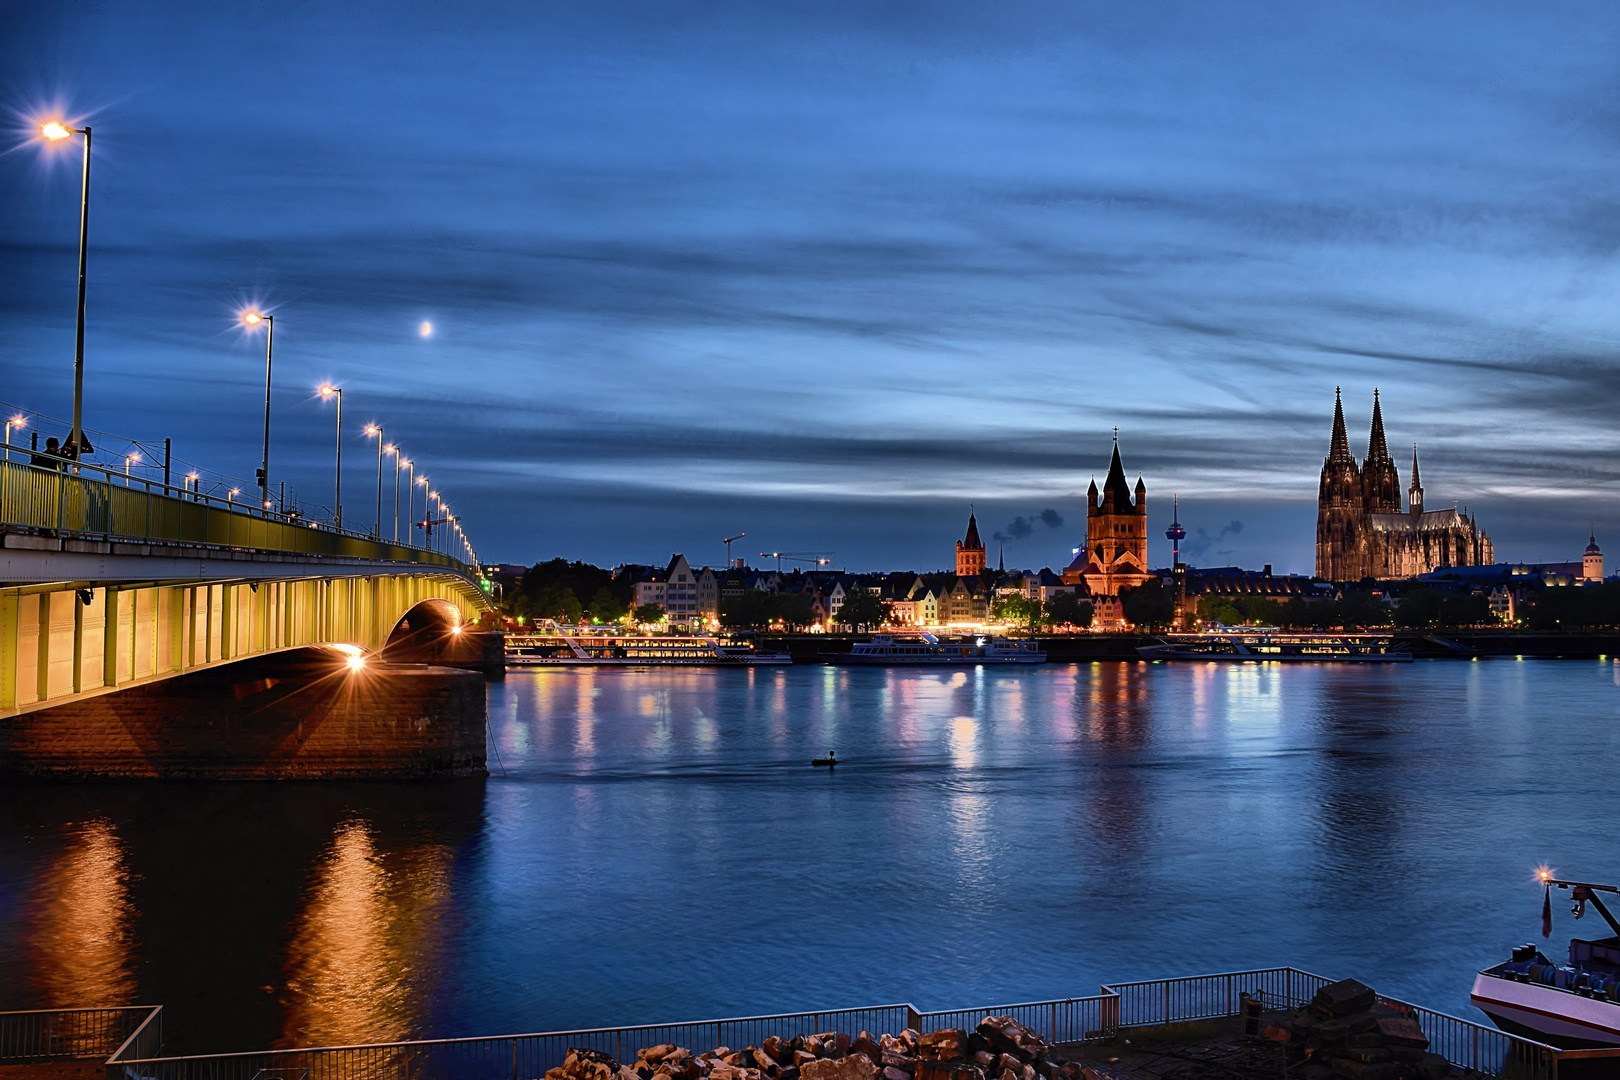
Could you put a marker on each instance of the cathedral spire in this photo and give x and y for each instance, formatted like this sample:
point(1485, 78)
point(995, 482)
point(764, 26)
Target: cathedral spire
point(1414, 493)
point(1377, 449)
point(1340, 450)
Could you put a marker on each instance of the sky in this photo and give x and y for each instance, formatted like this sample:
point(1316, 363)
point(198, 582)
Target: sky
point(830, 274)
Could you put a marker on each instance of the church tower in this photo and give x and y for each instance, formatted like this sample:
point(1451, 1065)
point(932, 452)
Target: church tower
point(1380, 483)
point(1115, 555)
point(1592, 562)
point(1339, 507)
point(1414, 494)
point(970, 551)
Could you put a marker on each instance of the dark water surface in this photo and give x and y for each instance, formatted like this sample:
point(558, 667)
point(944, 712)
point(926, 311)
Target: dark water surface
point(658, 848)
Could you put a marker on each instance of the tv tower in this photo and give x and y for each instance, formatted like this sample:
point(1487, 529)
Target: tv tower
point(1175, 533)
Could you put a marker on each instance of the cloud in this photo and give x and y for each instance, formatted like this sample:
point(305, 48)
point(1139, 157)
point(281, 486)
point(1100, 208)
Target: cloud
point(1201, 540)
point(1022, 528)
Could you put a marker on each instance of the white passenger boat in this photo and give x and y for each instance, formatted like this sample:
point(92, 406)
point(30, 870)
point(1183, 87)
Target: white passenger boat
point(554, 645)
point(1249, 644)
point(893, 649)
point(1574, 1005)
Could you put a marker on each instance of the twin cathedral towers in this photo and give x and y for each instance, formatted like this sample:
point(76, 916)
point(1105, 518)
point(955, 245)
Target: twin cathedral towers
point(1361, 530)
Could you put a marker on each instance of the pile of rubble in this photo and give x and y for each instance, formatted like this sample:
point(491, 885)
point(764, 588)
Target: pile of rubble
point(1346, 1033)
point(1000, 1048)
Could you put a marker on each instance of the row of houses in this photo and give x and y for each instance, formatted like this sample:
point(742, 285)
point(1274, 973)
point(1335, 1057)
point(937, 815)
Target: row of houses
point(691, 597)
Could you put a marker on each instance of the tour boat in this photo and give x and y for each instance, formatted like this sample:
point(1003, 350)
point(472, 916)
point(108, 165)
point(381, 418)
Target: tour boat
point(1249, 644)
point(1571, 1006)
point(553, 645)
point(893, 649)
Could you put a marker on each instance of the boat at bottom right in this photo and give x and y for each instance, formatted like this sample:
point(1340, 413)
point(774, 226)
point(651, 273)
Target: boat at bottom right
point(1571, 1006)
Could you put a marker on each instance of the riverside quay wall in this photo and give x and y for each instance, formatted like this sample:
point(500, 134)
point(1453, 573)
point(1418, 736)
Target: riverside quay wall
point(318, 713)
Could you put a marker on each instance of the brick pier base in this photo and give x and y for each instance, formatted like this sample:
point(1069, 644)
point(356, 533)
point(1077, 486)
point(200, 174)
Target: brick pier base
point(302, 715)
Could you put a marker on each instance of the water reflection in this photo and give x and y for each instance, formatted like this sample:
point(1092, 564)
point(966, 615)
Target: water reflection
point(360, 965)
point(81, 922)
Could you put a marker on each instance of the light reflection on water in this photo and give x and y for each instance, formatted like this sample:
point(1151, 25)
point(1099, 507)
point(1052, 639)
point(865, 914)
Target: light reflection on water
point(658, 847)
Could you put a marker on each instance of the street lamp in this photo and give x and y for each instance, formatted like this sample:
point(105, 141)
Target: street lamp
point(394, 450)
point(15, 422)
point(374, 430)
point(426, 514)
point(77, 444)
point(129, 459)
point(254, 318)
point(337, 498)
point(410, 490)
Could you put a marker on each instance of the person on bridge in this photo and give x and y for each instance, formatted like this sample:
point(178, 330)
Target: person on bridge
point(51, 458)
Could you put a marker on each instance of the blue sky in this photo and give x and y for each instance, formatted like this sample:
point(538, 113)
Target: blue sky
point(831, 273)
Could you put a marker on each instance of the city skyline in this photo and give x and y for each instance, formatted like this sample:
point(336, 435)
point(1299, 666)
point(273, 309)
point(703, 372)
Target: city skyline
point(829, 277)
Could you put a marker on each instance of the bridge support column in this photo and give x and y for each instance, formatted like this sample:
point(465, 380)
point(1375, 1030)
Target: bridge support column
point(302, 715)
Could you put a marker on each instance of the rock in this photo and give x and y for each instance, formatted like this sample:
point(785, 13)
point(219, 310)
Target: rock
point(1343, 998)
point(767, 1064)
point(891, 1044)
point(892, 1073)
point(653, 1055)
point(904, 1062)
point(942, 1045)
point(865, 1044)
point(1007, 1036)
point(585, 1064)
point(801, 1057)
point(1400, 1031)
point(986, 1059)
point(1007, 1061)
point(948, 1070)
point(1434, 1067)
point(776, 1049)
point(848, 1067)
point(1341, 1028)
point(1275, 1033)
point(909, 1036)
point(789, 1072)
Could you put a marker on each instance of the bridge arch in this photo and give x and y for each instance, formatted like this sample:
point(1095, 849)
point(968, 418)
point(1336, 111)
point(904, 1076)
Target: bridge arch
point(60, 641)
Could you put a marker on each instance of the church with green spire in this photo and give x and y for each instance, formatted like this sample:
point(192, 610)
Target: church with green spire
point(1361, 529)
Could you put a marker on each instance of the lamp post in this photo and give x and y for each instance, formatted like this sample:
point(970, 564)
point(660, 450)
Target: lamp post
point(337, 497)
point(426, 515)
point(376, 432)
point(14, 422)
point(254, 318)
point(410, 492)
point(130, 459)
point(54, 132)
point(434, 495)
point(394, 450)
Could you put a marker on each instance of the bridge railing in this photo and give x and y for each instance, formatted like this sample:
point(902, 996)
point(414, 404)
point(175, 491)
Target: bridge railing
point(86, 501)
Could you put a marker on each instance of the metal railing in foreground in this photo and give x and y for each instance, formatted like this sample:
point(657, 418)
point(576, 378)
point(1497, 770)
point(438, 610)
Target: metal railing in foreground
point(69, 1034)
point(1486, 1050)
point(87, 502)
point(1120, 1006)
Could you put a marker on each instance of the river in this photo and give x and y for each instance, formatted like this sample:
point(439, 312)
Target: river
point(654, 845)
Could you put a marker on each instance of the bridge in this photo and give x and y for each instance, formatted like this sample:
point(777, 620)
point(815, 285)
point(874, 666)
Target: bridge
point(118, 592)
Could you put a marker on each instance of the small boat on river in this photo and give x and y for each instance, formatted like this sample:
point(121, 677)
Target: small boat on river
point(896, 649)
point(1572, 1006)
point(1251, 644)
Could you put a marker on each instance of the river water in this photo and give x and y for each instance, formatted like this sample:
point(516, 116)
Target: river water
point(653, 845)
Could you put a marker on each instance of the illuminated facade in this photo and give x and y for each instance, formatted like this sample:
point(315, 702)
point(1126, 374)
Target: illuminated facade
point(970, 551)
point(1361, 531)
point(1115, 555)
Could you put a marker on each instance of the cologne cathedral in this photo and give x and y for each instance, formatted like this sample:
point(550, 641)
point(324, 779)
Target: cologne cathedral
point(1361, 531)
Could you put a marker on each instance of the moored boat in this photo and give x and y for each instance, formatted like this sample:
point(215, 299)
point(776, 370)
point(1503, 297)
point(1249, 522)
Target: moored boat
point(1268, 644)
point(554, 645)
point(923, 648)
point(1574, 1005)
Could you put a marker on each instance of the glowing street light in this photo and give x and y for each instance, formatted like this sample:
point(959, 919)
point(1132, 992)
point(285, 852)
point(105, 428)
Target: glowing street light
point(18, 422)
point(427, 514)
point(394, 450)
point(376, 432)
point(129, 459)
point(254, 318)
point(337, 499)
point(76, 444)
point(410, 490)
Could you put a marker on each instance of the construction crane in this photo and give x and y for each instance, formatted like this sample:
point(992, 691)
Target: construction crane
point(816, 558)
point(728, 541)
